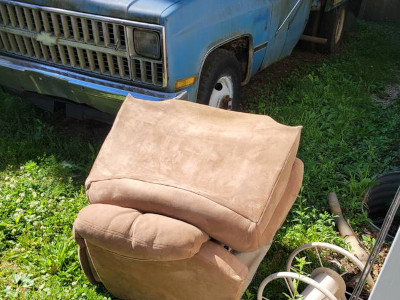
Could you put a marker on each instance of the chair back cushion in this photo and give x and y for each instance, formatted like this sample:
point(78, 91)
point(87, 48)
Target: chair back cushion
point(224, 172)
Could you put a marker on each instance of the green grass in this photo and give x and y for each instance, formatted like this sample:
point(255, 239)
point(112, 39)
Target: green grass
point(42, 170)
point(347, 139)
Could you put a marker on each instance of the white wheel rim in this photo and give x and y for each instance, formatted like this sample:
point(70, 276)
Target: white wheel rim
point(339, 28)
point(222, 93)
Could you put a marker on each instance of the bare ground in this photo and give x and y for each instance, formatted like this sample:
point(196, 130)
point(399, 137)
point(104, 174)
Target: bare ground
point(278, 72)
point(392, 93)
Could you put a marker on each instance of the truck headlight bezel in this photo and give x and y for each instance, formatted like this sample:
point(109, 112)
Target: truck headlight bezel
point(147, 43)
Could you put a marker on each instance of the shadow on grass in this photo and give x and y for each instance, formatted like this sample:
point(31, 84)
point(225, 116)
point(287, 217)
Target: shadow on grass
point(27, 133)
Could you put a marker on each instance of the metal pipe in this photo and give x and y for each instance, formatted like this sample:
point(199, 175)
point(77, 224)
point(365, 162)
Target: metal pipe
point(347, 232)
point(314, 39)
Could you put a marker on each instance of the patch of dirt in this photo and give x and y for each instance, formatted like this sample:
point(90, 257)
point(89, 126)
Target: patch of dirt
point(392, 93)
point(7, 268)
point(279, 71)
point(380, 261)
point(9, 265)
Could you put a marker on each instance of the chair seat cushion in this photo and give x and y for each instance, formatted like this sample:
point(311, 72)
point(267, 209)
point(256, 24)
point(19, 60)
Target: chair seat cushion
point(130, 233)
point(224, 172)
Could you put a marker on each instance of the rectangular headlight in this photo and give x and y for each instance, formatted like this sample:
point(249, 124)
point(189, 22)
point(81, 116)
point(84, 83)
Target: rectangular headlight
point(147, 43)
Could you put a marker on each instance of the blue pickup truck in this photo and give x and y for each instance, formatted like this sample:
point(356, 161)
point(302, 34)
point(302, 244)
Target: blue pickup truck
point(95, 52)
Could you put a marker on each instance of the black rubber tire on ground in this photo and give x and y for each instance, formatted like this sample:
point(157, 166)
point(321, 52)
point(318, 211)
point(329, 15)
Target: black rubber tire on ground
point(331, 27)
point(218, 64)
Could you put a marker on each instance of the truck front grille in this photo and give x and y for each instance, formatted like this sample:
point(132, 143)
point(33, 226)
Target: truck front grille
point(82, 43)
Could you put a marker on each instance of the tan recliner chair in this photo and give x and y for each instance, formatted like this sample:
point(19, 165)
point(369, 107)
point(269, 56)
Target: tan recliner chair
point(185, 200)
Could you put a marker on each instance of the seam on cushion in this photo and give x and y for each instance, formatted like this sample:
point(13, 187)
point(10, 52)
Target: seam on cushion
point(88, 186)
point(139, 241)
point(174, 187)
point(78, 238)
point(131, 230)
point(258, 238)
point(113, 128)
point(261, 233)
point(135, 259)
point(250, 229)
point(89, 256)
point(276, 208)
point(276, 182)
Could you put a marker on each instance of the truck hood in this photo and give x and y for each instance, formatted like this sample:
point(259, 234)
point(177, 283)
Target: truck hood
point(148, 11)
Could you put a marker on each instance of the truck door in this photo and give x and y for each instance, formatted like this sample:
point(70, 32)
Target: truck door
point(276, 40)
point(296, 24)
point(287, 23)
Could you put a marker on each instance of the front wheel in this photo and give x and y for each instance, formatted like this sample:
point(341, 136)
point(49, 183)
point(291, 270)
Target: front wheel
point(220, 81)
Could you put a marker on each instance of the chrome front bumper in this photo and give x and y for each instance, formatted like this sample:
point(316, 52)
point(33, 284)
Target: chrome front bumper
point(103, 95)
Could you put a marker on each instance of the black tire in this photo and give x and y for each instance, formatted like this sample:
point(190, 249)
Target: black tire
point(220, 63)
point(332, 28)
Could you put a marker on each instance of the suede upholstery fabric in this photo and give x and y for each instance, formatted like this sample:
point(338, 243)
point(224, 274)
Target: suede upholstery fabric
point(109, 253)
point(141, 236)
point(213, 273)
point(289, 197)
point(173, 183)
point(223, 172)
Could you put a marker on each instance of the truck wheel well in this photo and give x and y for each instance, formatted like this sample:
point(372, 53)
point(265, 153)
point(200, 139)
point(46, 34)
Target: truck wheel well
point(240, 48)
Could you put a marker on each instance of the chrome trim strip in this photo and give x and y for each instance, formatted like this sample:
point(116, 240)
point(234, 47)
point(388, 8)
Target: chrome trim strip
point(288, 16)
point(102, 85)
point(261, 46)
point(165, 64)
point(250, 62)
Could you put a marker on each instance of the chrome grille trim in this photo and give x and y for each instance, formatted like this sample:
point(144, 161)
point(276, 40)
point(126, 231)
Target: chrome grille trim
point(80, 41)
